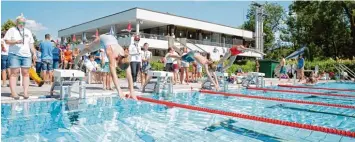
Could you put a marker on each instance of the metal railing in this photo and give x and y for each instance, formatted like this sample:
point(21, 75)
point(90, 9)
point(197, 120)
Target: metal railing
point(177, 40)
point(341, 68)
point(142, 35)
point(346, 69)
point(163, 37)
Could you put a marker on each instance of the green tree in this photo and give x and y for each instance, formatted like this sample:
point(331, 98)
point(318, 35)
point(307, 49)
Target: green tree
point(7, 25)
point(272, 24)
point(323, 26)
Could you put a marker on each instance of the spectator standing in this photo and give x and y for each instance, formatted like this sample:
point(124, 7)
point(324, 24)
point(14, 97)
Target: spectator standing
point(38, 62)
point(4, 57)
point(21, 47)
point(257, 65)
point(300, 68)
point(135, 59)
point(106, 71)
point(47, 48)
point(184, 69)
point(146, 56)
point(56, 56)
point(169, 66)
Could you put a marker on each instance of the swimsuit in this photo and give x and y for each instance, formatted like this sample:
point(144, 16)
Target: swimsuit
point(234, 51)
point(188, 57)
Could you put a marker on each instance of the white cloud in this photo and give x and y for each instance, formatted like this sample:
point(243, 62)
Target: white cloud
point(34, 26)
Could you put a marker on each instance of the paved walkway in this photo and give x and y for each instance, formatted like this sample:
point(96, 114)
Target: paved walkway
point(96, 89)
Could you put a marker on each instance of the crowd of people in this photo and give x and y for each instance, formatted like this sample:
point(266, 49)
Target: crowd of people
point(103, 55)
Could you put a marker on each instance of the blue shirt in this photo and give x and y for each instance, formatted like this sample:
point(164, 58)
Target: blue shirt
point(300, 63)
point(38, 54)
point(56, 53)
point(46, 48)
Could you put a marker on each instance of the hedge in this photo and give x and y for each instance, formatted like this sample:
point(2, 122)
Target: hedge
point(328, 65)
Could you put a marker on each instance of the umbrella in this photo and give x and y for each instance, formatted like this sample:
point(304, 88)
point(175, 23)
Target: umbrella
point(296, 53)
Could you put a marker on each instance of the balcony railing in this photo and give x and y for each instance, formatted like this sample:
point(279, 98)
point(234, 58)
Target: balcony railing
point(161, 37)
point(143, 35)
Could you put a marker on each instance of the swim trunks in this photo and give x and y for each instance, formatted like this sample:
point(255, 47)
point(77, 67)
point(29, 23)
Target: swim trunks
point(189, 57)
point(283, 70)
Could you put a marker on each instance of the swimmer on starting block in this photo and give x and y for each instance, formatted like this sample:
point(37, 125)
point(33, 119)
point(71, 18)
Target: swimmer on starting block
point(233, 53)
point(116, 56)
point(207, 64)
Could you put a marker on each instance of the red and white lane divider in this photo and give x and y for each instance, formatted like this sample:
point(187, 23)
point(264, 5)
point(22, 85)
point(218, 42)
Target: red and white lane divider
point(251, 117)
point(278, 99)
point(301, 92)
point(309, 87)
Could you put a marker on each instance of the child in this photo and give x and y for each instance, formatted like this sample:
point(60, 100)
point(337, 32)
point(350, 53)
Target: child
point(106, 77)
point(68, 57)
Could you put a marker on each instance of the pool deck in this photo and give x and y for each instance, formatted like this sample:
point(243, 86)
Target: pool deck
point(96, 89)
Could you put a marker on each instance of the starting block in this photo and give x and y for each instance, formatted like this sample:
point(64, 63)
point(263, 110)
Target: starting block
point(65, 80)
point(256, 78)
point(222, 77)
point(163, 79)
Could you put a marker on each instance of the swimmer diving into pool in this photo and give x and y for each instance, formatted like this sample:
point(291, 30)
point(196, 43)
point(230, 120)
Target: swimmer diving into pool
point(207, 64)
point(116, 56)
point(233, 52)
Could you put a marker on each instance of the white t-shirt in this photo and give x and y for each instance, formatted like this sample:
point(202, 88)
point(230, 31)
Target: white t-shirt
point(20, 49)
point(6, 48)
point(134, 52)
point(146, 55)
point(171, 60)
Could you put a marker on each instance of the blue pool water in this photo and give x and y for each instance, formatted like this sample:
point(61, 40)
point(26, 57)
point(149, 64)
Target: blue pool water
point(111, 119)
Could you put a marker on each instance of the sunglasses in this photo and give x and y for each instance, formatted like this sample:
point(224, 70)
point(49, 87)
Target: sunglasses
point(22, 23)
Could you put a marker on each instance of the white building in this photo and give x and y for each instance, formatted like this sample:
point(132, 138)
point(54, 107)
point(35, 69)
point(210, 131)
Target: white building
point(153, 27)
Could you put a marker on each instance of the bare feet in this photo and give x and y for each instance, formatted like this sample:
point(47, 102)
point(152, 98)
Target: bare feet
point(15, 96)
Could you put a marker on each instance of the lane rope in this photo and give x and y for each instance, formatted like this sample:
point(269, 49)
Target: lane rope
point(301, 92)
point(309, 87)
point(278, 99)
point(251, 117)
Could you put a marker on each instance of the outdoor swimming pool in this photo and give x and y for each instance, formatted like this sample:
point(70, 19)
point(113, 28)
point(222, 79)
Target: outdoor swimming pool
point(111, 119)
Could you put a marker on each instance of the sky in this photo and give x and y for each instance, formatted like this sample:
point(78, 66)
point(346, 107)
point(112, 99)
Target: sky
point(49, 17)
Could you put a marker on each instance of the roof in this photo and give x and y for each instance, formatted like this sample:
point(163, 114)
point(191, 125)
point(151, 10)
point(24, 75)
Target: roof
point(151, 11)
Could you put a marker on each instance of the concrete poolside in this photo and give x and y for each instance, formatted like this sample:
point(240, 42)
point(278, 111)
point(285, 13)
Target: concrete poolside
point(96, 89)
